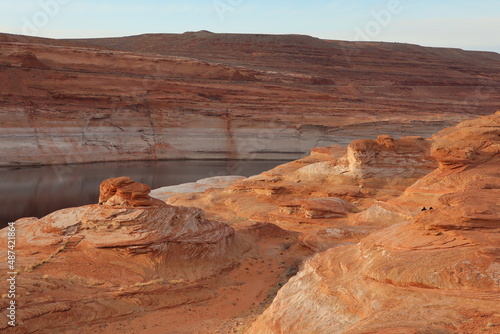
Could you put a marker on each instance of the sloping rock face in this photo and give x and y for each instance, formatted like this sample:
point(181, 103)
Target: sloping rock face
point(327, 188)
point(389, 157)
point(128, 255)
point(203, 95)
point(320, 208)
point(199, 186)
point(384, 265)
point(436, 272)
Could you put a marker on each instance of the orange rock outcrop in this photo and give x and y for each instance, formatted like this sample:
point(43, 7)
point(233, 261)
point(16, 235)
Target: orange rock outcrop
point(331, 243)
point(130, 254)
point(123, 191)
point(435, 272)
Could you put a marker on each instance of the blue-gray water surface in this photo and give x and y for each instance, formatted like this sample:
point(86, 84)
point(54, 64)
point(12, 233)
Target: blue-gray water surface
point(38, 191)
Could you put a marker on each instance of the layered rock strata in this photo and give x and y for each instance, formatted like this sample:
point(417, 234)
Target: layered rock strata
point(382, 263)
point(226, 96)
point(436, 272)
point(129, 254)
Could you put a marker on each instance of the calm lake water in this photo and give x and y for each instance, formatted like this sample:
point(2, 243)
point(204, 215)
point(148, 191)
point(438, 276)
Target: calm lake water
point(38, 191)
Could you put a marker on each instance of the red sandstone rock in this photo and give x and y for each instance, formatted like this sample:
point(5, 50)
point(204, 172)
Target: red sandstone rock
point(437, 272)
point(389, 157)
point(320, 190)
point(389, 268)
point(471, 142)
point(320, 208)
point(123, 191)
point(130, 254)
point(226, 95)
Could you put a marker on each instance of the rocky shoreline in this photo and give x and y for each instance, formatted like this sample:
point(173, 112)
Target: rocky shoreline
point(337, 242)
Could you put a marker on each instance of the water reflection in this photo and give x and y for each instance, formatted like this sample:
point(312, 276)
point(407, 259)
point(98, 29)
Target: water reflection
point(37, 191)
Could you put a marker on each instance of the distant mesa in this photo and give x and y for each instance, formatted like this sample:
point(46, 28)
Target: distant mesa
point(200, 32)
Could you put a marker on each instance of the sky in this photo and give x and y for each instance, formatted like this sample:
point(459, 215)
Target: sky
point(470, 25)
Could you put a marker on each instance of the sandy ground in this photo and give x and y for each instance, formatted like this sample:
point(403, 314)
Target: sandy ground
point(241, 296)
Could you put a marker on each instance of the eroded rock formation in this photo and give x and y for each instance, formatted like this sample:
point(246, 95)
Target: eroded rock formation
point(389, 157)
point(436, 272)
point(332, 183)
point(123, 191)
point(374, 261)
point(203, 95)
point(130, 253)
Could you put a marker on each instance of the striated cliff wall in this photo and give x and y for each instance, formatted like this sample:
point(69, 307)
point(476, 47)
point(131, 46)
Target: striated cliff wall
point(203, 95)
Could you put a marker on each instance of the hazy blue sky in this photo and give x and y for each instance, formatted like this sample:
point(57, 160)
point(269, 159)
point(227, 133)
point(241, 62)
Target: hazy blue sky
point(472, 25)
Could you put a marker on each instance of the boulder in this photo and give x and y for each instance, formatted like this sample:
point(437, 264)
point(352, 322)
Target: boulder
point(123, 191)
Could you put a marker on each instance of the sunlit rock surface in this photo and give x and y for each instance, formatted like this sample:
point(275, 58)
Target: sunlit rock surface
point(227, 96)
point(215, 182)
point(222, 254)
point(100, 256)
point(436, 272)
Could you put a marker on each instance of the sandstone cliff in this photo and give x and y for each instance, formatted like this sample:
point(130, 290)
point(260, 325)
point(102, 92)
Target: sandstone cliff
point(435, 271)
point(371, 260)
point(203, 95)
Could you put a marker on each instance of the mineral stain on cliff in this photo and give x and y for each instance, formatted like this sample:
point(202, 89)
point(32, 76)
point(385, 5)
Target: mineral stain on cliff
point(169, 100)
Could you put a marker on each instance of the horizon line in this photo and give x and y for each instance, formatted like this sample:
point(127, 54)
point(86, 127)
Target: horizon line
point(249, 33)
